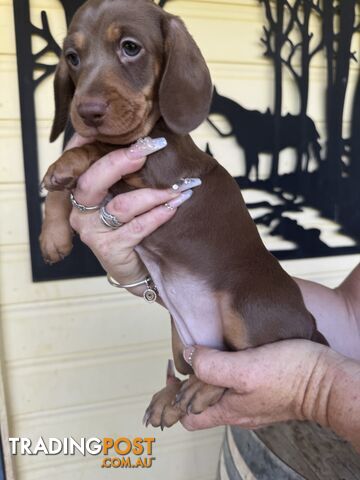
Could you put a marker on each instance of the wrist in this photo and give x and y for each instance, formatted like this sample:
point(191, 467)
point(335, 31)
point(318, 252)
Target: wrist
point(128, 273)
point(343, 401)
point(148, 288)
point(313, 394)
point(319, 400)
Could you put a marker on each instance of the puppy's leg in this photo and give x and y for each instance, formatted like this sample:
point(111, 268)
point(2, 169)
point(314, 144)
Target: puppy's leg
point(177, 349)
point(179, 398)
point(56, 233)
point(63, 174)
point(161, 412)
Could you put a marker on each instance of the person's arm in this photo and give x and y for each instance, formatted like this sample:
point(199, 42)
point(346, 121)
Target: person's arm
point(337, 312)
point(288, 380)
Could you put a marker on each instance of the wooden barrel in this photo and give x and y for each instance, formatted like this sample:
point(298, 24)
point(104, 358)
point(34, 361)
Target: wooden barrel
point(287, 451)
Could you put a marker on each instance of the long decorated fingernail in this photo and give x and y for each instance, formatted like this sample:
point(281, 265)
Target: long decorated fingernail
point(174, 204)
point(186, 184)
point(146, 146)
point(188, 354)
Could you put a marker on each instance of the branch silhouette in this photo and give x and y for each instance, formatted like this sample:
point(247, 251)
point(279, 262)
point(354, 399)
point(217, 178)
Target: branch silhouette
point(51, 47)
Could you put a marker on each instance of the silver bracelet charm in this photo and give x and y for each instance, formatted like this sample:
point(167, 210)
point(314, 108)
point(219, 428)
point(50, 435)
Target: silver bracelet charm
point(150, 294)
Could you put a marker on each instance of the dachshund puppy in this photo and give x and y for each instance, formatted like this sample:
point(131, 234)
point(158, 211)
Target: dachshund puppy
point(128, 70)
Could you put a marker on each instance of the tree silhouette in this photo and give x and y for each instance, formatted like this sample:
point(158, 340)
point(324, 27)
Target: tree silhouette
point(287, 38)
point(339, 55)
point(51, 46)
point(70, 7)
point(307, 51)
point(274, 39)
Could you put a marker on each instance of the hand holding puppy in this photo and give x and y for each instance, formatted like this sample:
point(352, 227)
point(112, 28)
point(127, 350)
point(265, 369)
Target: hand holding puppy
point(288, 380)
point(141, 211)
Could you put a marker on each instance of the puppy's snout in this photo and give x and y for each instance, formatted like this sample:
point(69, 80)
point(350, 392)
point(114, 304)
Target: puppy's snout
point(92, 112)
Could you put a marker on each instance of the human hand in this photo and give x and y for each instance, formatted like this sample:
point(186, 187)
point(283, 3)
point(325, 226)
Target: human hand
point(268, 384)
point(141, 211)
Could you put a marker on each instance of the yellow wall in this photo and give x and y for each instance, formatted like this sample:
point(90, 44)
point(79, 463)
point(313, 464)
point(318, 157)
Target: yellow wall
point(82, 359)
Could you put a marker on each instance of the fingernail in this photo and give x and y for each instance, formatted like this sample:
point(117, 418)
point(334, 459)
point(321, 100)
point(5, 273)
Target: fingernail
point(174, 204)
point(186, 184)
point(188, 355)
point(146, 146)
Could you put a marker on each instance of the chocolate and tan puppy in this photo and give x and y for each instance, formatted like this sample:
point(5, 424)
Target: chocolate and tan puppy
point(128, 70)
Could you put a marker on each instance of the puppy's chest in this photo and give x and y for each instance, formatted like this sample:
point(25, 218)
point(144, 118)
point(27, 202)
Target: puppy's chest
point(188, 298)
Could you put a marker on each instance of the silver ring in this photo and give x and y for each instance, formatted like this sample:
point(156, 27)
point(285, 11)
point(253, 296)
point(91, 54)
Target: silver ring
point(83, 208)
point(109, 220)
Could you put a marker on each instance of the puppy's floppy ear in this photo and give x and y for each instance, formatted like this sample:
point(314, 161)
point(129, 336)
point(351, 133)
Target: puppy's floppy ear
point(185, 90)
point(64, 90)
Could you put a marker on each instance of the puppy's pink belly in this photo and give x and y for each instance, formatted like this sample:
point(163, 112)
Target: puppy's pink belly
point(190, 302)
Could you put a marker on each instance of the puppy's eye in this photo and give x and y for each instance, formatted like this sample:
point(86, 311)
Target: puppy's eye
point(130, 48)
point(73, 58)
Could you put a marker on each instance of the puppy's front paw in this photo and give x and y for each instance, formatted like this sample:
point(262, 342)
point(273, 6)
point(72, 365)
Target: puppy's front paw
point(195, 396)
point(55, 241)
point(60, 176)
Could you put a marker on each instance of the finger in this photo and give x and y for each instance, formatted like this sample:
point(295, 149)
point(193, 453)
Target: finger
point(223, 369)
point(129, 205)
point(93, 185)
point(134, 232)
point(125, 207)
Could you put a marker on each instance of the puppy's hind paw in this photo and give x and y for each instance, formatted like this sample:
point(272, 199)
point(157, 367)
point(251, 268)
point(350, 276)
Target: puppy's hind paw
point(55, 242)
point(160, 412)
point(195, 396)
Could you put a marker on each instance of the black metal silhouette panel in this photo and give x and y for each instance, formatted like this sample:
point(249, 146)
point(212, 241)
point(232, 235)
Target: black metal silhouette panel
point(331, 185)
point(326, 173)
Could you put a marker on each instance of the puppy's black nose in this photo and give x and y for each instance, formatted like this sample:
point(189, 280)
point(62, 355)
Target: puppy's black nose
point(92, 113)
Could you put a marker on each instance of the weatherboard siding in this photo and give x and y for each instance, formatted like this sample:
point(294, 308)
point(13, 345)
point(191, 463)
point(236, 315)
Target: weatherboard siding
point(80, 358)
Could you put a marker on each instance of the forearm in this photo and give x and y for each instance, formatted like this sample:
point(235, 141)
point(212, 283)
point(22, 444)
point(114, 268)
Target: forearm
point(335, 315)
point(332, 396)
point(350, 290)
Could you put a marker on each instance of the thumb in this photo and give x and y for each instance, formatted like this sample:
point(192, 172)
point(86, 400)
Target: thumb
point(214, 366)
